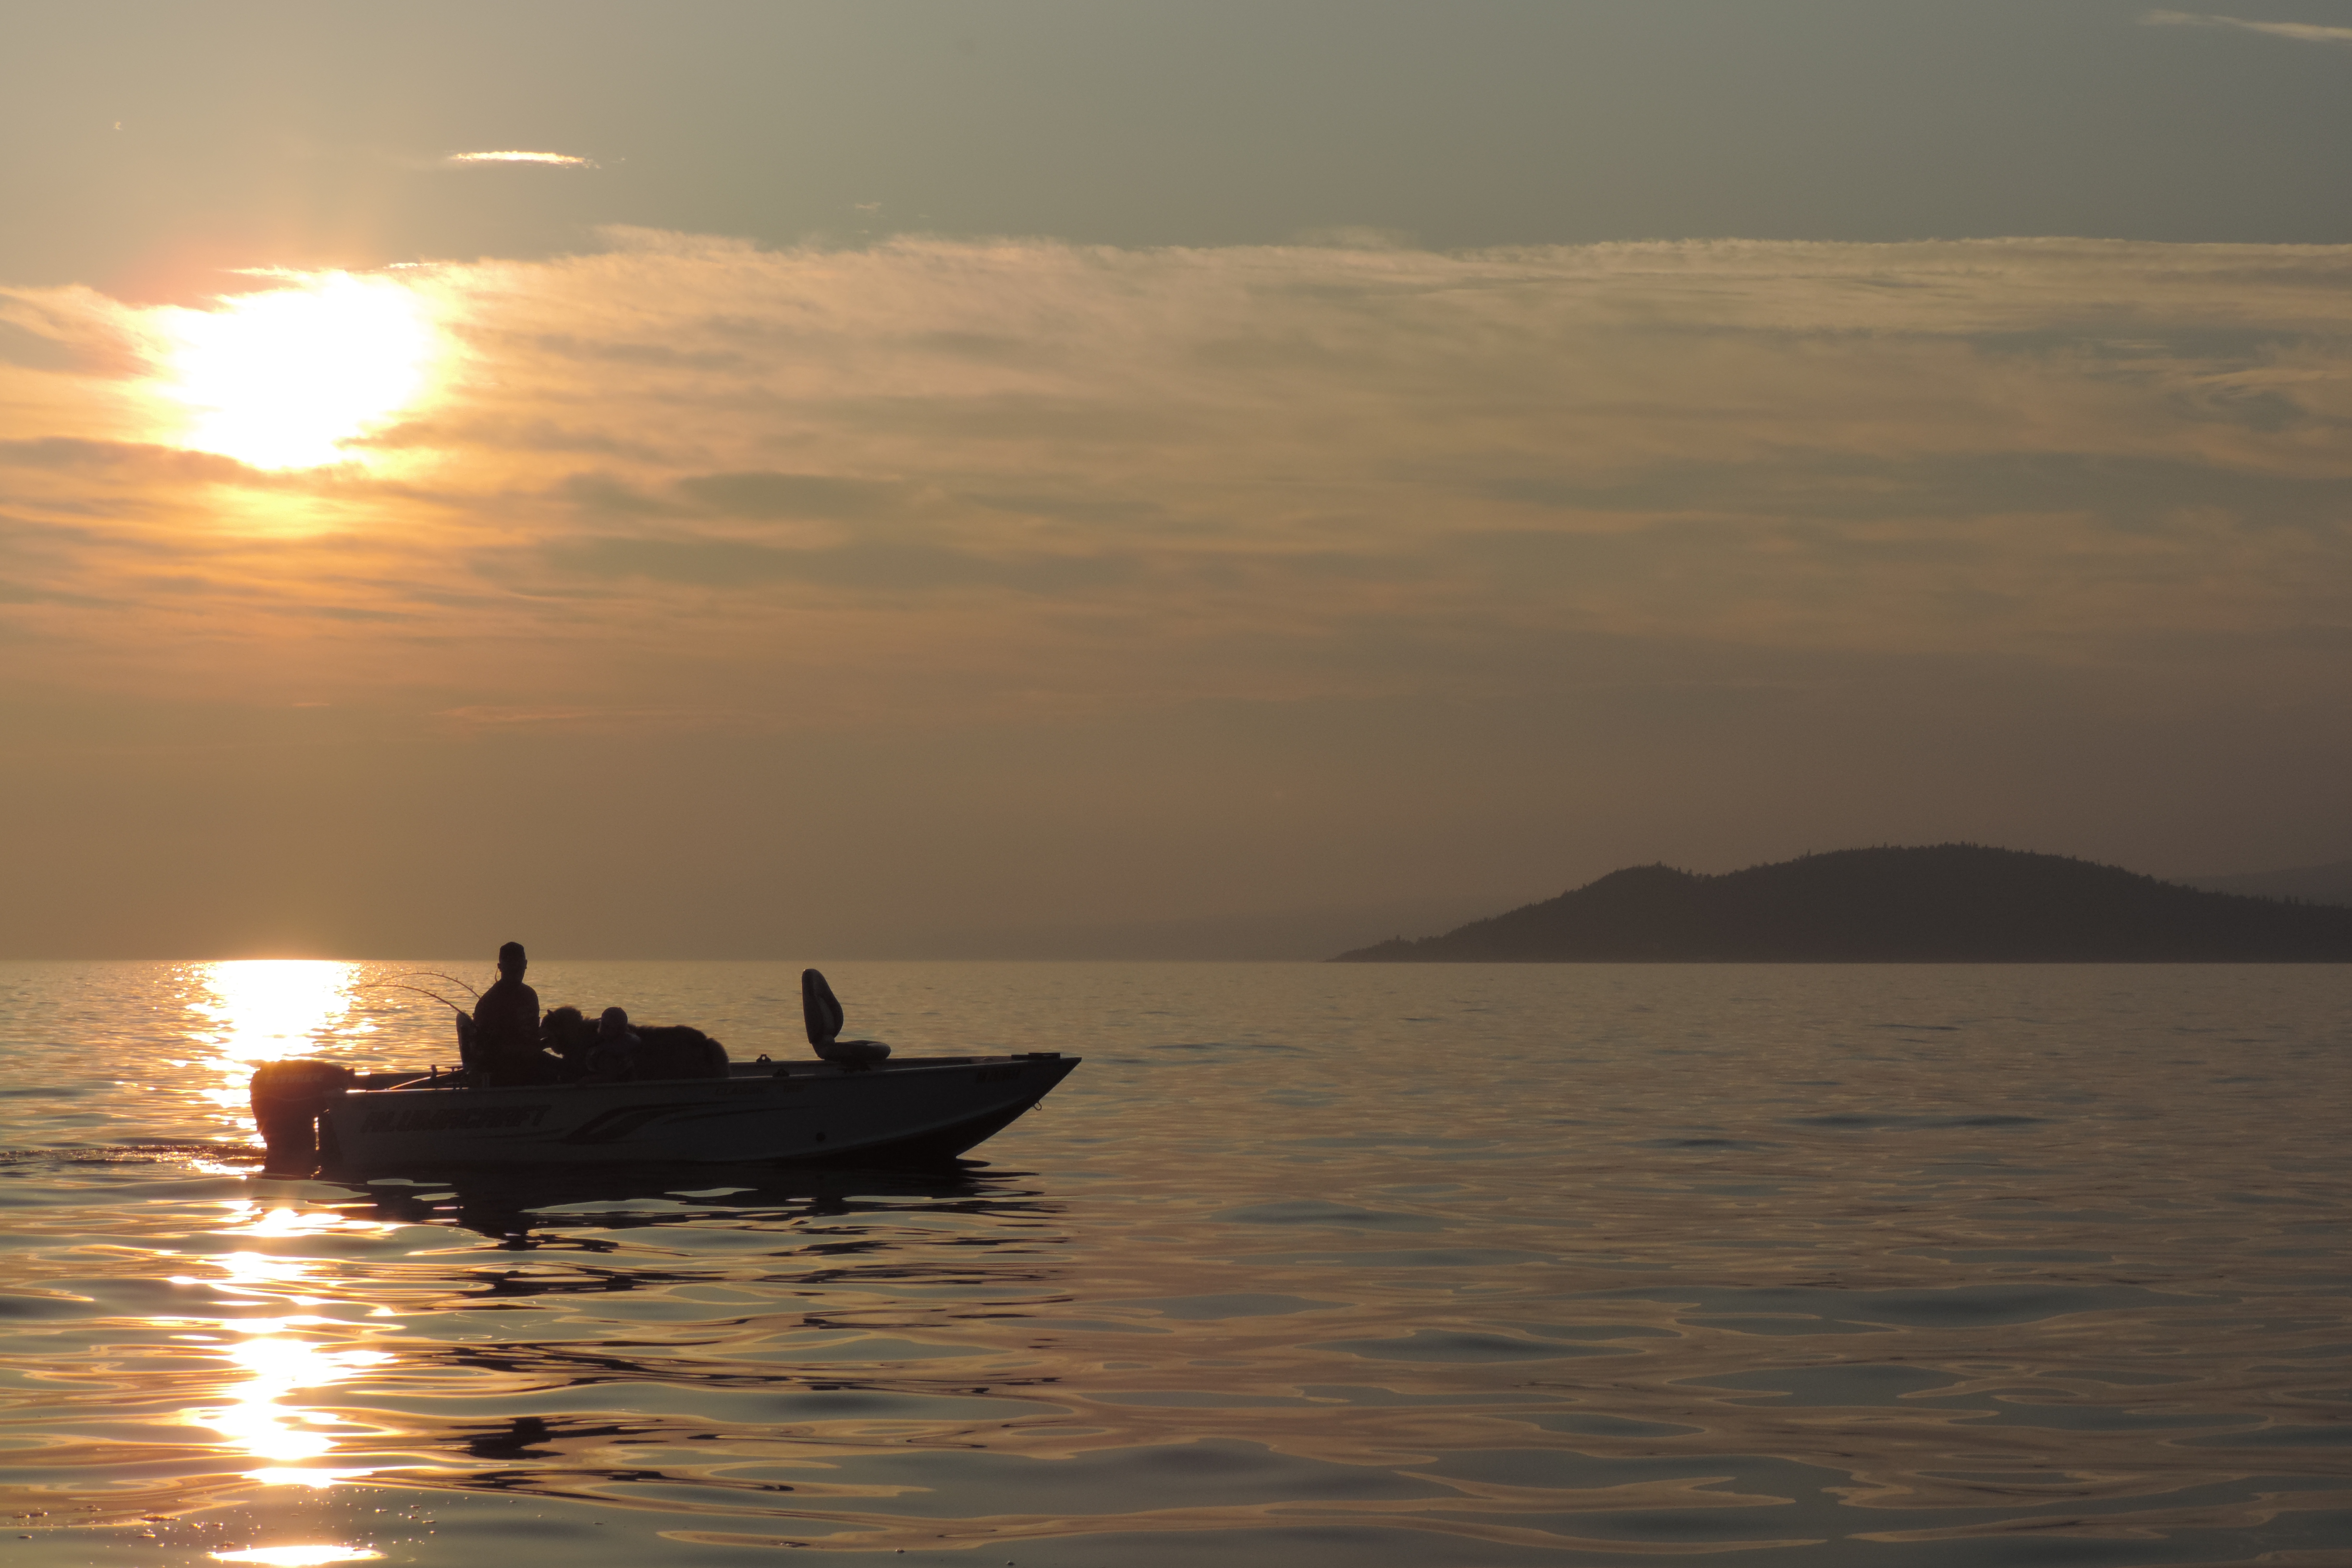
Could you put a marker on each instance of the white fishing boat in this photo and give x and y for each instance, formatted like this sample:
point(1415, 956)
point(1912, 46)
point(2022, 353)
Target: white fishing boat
point(852, 1104)
point(919, 1107)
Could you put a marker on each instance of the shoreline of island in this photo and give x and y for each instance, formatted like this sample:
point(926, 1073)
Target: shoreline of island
point(1945, 903)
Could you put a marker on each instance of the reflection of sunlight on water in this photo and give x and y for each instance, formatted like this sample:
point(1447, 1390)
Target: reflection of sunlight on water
point(258, 1273)
point(275, 1364)
point(297, 1222)
point(266, 1010)
point(299, 1556)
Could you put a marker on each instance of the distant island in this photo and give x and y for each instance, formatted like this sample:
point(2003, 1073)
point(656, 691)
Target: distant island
point(1945, 903)
point(2329, 884)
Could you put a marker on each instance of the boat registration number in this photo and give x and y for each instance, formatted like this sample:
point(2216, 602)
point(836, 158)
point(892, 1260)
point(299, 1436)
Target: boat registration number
point(455, 1119)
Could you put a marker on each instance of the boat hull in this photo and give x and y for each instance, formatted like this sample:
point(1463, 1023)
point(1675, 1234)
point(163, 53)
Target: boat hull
point(916, 1109)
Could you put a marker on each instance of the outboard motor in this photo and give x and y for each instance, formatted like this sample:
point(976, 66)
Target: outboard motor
point(287, 1100)
point(821, 1010)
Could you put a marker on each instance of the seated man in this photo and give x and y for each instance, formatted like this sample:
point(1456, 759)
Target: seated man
point(504, 1048)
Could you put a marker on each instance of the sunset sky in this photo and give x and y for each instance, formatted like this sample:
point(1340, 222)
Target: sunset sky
point(818, 480)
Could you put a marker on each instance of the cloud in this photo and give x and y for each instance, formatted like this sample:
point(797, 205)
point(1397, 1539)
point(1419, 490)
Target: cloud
point(553, 159)
point(1224, 563)
point(2301, 32)
point(1131, 478)
point(790, 495)
point(896, 566)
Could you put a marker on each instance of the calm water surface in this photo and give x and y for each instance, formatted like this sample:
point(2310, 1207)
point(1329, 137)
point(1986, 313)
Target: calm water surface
point(1306, 1264)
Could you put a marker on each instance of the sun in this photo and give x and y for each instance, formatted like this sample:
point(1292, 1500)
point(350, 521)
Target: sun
point(282, 378)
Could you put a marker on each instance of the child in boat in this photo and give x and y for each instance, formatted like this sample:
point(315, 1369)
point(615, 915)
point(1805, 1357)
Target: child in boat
point(613, 1057)
point(613, 1050)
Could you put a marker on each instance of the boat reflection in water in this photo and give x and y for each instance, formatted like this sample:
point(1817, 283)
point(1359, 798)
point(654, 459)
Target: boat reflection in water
point(521, 1207)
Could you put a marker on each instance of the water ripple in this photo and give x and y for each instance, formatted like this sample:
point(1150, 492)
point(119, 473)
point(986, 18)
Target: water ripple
point(1656, 1260)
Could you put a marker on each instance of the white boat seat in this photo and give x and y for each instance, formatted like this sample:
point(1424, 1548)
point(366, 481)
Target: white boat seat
point(821, 1012)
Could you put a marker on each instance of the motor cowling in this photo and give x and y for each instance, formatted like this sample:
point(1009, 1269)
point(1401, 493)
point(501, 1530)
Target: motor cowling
point(287, 1100)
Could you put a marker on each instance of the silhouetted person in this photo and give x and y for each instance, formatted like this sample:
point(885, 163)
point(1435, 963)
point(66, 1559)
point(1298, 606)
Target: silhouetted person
point(506, 1028)
point(613, 1057)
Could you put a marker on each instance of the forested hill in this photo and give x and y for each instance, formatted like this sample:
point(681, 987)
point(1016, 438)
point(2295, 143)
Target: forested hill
point(1951, 903)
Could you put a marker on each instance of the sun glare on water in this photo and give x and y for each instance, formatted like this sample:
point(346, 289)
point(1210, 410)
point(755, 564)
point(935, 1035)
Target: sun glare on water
point(283, 378)
point(264, 1010)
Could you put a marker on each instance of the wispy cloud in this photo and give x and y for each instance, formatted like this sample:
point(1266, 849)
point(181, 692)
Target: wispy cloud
point(2301, 32)
point(1830, 445)
point(1063, 542)
point(555, 159)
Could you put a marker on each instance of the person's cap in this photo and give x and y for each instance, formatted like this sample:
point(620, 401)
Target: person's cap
point(509, 953)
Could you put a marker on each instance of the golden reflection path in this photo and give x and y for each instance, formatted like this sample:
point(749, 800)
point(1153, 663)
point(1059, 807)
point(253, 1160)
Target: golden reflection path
point(266, 1010)
point(260, 1011)
point(277, 1362)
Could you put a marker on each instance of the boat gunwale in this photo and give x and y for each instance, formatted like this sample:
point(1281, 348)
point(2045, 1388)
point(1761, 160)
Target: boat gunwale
point(737, 1072)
